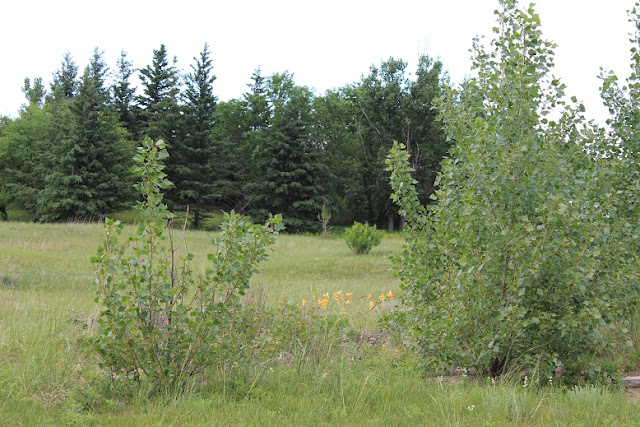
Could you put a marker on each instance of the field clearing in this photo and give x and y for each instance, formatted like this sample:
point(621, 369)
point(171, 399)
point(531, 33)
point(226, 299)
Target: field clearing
point(47, 377)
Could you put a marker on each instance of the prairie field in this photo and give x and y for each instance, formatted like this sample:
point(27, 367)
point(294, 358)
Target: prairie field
point(367, 377)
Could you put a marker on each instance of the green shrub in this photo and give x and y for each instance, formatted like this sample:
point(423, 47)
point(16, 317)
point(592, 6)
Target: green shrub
point(159, 322)
point(361, 238)
point(524, 262)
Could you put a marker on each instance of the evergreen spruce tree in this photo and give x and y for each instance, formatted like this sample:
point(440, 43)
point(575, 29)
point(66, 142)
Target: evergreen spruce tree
point(90, 177)
point(196, 154)
point(240, 124)
point(64, 82)
point(159, 100)
point(257, 101)
point(232, 133)
point(124, 97)
point(290, 173)
point(160, 115)
point(58, 143)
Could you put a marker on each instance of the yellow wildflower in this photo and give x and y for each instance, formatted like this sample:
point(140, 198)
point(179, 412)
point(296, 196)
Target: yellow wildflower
point(369, 296)
point(391, 295)
point(371, 305)
point(382, 297)
point(349, 295)
point(348, 301)
point(304, 301)
point(326, 296)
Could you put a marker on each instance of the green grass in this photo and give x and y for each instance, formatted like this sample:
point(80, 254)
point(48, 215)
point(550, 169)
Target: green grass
point(48, 378)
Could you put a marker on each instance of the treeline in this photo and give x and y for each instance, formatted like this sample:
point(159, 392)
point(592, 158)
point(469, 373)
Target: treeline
point(279, 148)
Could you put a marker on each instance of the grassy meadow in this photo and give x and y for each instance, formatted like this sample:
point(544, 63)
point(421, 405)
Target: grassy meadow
point(47, 377)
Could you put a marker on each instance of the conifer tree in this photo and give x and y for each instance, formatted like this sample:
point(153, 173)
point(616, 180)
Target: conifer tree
point(64, 82)
point(124, 96)
point(196, 156)
point(290, 171)
point(160, 115)
point(90, 177)
point(159, 99)
point(257, 101)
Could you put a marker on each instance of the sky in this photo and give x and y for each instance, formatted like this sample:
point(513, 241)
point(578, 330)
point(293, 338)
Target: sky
point(325, 44)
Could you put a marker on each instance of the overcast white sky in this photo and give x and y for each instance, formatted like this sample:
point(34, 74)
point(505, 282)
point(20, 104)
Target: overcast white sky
point(326, 44)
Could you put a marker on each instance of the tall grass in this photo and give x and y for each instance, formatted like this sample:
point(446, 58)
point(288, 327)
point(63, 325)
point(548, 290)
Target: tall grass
point(47, 377)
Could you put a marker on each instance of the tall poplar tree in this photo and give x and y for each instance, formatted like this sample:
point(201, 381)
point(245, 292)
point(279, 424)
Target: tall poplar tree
point(519, 265)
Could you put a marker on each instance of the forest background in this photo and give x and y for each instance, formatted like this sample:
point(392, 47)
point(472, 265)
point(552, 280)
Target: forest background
point(278, 148)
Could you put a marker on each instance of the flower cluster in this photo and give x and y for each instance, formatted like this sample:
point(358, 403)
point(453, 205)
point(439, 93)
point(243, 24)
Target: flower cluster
point(345, 298)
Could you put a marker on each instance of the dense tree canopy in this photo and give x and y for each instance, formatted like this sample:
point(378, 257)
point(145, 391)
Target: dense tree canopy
point(279, 148)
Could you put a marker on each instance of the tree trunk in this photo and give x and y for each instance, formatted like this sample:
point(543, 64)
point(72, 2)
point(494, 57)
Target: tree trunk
point(196, 218)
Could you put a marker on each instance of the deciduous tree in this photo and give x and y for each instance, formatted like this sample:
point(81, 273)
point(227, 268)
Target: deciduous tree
point(512, 266)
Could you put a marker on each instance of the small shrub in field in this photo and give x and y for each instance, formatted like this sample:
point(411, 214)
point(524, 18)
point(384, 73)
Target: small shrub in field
point(361, 238)
point(159, 322)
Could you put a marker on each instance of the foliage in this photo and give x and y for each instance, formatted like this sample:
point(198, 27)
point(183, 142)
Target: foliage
point(159, 322)
point(197, 157)
point(624, 106)
point(324, 217)
point(64, 82)
point(24, 160)
point(289, 170)
point(124, 96)
point(89, 156)
point(159, 105)
point(386, 105)
point(68, 158)
point(361, 238)
point(522, 263)
point(312, 374)
point(277, 148)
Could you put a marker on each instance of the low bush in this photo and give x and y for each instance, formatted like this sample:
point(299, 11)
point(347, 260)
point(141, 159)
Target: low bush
point(361, 238)
point(159, 322)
